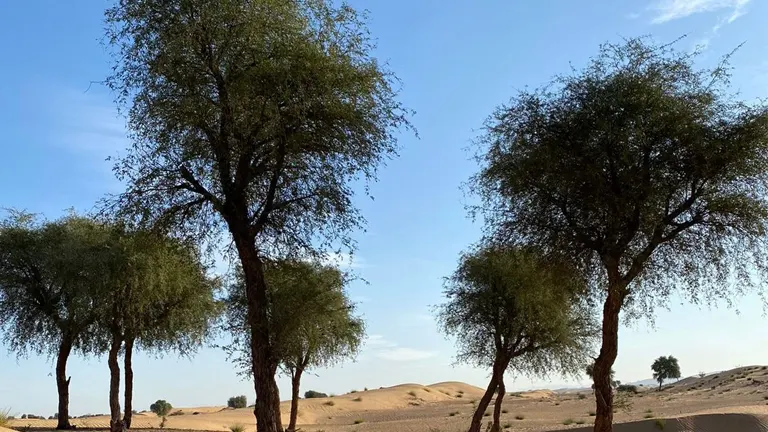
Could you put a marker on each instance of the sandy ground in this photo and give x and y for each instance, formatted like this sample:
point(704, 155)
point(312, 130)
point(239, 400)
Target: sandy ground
point(700, 404)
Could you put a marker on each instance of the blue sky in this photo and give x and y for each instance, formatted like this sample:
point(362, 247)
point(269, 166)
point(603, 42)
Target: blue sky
point(458, 59)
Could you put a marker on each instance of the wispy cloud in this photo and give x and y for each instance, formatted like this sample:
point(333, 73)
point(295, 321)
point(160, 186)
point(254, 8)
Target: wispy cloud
point(405, 354)
point(670, 10)
point(388, 350)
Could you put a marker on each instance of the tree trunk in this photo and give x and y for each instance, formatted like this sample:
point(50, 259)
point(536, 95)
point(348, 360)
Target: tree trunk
point(264, 366)
point(128, 366)
point(62, 382)
point(295, 385)
point(604, 362)
point(497, 407)
point(660, 381)
point(477, 418)
point(115, 423)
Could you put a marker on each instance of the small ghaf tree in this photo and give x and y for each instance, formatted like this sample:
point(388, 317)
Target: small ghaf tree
point(156, 294)
point(48, 273)
point(313, 321)
point(511, 308)
point(252, 117)
point(665, 368)
point(645, 171)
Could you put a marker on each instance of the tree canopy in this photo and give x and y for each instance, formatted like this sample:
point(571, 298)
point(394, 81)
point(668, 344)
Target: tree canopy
point(514, 308)
point(665, 368)
point(161, 408)
point(642, 168)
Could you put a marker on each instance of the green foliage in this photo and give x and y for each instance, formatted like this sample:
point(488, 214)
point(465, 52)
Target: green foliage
point(313, 321)
point(161, 408)
point(277, 114)
point(48, 271)
point(237, 402)
point(665, 368)
point(568, 421)
point(627, 388)
point(641, 163)
point(511, 302)
point(310, 394)
point(237, 428)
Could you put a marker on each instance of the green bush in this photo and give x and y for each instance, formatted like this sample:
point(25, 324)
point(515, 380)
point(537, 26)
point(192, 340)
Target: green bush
point(161, 408)
point(311, 394)
point(627, 388)
point(237, 428)
point(568, 422)
point(237, 402)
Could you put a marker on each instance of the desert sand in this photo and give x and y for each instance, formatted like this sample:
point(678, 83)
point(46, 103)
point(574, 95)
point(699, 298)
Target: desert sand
point(735, 400)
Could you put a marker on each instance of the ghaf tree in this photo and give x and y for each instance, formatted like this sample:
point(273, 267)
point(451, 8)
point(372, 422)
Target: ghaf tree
point(313, 321)
point(512, 308)
point(49, 271)
point(665, 368)
point(642, 168)
point(253, 117)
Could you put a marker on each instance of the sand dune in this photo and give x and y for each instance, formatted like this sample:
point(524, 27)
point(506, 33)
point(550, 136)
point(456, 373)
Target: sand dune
point(732, 400)
point(699, 423)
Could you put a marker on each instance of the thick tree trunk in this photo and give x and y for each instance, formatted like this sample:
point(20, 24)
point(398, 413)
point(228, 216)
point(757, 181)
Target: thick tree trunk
point(115, 422)
point(128, 366)
point(477, 418)
point(604, 362)
point(497, 407)
point(295, 385)
point(264, 366)
point(62, 382)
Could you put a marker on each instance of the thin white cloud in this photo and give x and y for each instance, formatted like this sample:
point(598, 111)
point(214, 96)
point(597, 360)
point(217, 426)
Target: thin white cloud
point(404, 354)
point(378, 341)
point(670, 10)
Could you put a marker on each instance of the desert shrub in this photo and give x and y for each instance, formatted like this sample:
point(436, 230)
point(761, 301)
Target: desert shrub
point(519, 417)
point(237, 428)
point(196, 413)
point(648, 416)
point(453, 414)
point(486, 414)
point(23, 416)
point(330, 403)
point(591, 413)
point(581, 396)
point(161, 408)
point(568, 421)
point(5, 417)
point(176, 413)
point(659, 424)
point(357, 399)
point(412, 393)
point(365, 388)
point(580, 421)
point(358, 421)
point(237, 402)
point(627, 388)
point(352, 391)
point(311, 394)
point(504, 411)
point(507, 425)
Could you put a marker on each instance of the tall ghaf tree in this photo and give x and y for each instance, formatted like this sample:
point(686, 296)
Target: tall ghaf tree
point(514, 309)
point(313, 320)
point(643, 168)
point(252, 118)
point(49, 271)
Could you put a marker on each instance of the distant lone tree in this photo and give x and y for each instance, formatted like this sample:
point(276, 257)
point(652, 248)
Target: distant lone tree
point(313, 321)
point(510, 308)
point(237, 402)
point(161, 408)
point(665, 368)
point(641, 168)
point(312, 394)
